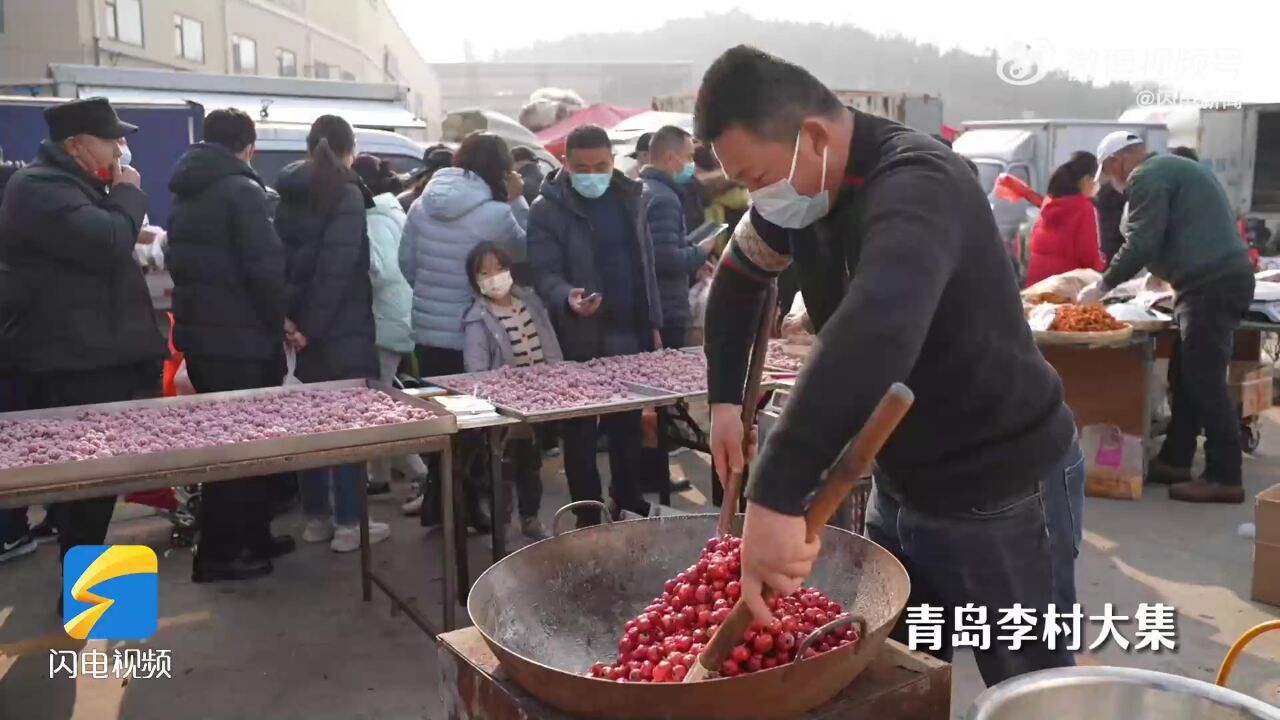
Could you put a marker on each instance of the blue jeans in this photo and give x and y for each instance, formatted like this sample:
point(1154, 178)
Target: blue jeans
point(314, 487)
point(1019, 550)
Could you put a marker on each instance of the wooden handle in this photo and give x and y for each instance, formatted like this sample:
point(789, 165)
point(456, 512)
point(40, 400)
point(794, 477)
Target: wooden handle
point(859, 455)
point(854, 463)
point(750, 398)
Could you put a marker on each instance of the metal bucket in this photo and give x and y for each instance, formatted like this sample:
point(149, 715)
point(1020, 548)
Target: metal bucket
point(1113, 693)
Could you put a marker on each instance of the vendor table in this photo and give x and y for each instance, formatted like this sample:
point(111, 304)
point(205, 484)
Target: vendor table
point(1109, 384)
point(21, 487)
point(497, 429)
point(898, 685)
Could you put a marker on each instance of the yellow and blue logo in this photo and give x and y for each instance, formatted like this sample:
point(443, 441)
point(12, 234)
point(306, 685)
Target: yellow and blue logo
point(109, 592)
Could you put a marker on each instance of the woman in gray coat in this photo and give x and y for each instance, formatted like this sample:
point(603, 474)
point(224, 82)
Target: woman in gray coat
point(508, 326)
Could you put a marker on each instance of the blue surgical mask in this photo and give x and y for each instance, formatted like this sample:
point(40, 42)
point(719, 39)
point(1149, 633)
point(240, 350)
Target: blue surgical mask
point(686, 173)
point(591, 185)
point(784, 206)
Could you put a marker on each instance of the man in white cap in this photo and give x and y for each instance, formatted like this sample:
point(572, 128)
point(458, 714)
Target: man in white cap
point(1178, 224)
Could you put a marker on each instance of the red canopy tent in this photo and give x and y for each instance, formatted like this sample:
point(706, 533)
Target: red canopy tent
point(602, 114)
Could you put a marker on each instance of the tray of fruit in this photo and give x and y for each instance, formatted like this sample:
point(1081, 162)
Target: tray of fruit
point(1083, 325)
point(611, 617)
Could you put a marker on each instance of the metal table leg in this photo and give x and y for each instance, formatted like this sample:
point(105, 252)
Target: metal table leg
point(460, 506)
point(366, 549)
point(449, 516)
point(495, 440)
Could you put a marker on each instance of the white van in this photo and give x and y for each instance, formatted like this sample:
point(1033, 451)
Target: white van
point(280, 144)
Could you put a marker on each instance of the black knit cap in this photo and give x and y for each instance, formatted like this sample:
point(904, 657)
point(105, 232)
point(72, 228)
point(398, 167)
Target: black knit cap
point(91, 116)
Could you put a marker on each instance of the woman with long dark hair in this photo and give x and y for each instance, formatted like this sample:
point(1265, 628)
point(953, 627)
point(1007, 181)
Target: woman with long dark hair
point(1065, 236)
point(321, 219)
point(479, 199)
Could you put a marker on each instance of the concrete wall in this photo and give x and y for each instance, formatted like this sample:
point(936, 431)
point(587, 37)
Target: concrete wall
point(32, 38)
point(351, 36)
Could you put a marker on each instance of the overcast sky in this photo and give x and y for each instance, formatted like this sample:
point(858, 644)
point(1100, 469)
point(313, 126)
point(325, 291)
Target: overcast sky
point(1220, 49)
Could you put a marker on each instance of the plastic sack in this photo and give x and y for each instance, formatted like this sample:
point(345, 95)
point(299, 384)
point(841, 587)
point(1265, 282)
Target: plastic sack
point(1068, 284)
point(1114, 462)
point(181, 382)
point(291, 367)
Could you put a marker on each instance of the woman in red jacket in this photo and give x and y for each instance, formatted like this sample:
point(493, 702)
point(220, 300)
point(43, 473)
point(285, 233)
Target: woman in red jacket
point(1065, 237)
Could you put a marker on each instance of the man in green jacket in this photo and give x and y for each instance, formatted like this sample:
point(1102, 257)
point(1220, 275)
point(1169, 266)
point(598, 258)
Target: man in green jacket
point(1178, 224)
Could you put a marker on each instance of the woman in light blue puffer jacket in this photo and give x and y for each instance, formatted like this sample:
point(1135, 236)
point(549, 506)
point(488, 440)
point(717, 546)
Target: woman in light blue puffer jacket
point(478, 199)
point(392, 296)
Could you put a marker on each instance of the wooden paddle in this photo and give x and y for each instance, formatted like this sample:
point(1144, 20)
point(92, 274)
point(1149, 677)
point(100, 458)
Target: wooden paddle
point(854, 463)
point(750, 399)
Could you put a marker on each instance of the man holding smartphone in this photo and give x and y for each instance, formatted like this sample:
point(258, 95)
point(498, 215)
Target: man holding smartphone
point(591, 251)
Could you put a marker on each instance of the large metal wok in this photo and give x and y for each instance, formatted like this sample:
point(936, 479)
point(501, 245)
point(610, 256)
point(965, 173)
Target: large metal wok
point(552, 609)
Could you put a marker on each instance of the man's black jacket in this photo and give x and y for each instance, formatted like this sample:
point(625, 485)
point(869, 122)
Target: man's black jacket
point(905, 280)
point(72, 297)
point(226, 260)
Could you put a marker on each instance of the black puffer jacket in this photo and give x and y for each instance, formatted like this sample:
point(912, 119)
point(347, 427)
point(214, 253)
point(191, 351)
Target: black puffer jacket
point(226, 260)
point(674, 259)
point(74, 298)
point(1110, 203)
point(328, 292)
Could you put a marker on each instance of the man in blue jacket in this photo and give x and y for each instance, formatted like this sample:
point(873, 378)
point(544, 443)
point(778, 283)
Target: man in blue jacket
point(593, 257)
point(674, 258)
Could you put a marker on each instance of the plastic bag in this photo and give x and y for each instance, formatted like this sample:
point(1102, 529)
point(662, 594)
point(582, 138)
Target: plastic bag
point(181, 382)
point(1068, 284)
point(291, 366)
point(1114, 462)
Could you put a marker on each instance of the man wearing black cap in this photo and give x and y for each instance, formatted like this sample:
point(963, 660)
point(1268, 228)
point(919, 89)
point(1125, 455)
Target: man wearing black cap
point(530, 174)
point(78, 317)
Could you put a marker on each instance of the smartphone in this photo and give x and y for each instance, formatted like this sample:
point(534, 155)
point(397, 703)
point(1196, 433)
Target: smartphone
point(592, 297)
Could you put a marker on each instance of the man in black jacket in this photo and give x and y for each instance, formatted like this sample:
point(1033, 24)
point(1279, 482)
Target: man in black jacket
point(896, 253)
point(592, 255)
point(1110, 204)
point(79, 319)
point(526, 165)
point(228, 305)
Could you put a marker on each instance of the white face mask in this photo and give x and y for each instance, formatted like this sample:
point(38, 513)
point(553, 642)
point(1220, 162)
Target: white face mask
point(784, 206)
point(126, 156)
point(496, 286)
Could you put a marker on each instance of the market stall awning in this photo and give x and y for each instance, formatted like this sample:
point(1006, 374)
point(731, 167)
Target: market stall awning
point(385, 115)
point(602, 114)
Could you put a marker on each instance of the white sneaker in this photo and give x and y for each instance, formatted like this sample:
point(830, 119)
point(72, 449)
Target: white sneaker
point(412, 506)
point(318, 530)
point(346, 538)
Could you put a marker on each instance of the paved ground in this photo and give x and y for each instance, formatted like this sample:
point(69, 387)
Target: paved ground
point(301, 644)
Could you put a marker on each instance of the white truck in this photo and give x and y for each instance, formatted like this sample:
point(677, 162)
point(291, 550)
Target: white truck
point(1031, 150)
point(922, 112)
point(1240, 144)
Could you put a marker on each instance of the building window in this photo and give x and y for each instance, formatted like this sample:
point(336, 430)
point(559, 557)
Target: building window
point(390, 65)
point(188, 38)
point(348, 77)
point(322, 70)
point(244, 55)
point(286, 63)
point(124, 21)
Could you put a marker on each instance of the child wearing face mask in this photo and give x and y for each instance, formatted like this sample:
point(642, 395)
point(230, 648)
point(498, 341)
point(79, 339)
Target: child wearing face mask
point(507, 325)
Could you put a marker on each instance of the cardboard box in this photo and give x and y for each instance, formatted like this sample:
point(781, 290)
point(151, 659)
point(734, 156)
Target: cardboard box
point(1250, 385)
point(1266, 547)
